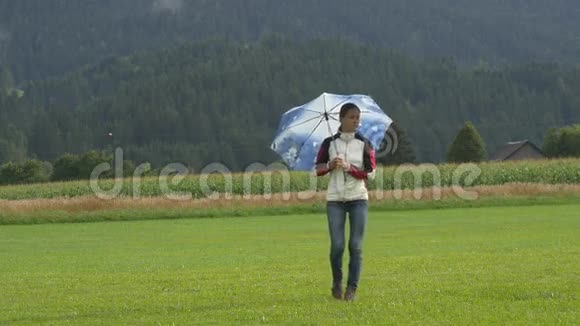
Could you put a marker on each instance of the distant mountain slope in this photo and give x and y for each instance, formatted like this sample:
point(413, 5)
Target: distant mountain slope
point(221, 101)
point(40, 38)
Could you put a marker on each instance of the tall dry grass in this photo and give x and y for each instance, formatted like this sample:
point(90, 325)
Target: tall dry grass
point(91, 203)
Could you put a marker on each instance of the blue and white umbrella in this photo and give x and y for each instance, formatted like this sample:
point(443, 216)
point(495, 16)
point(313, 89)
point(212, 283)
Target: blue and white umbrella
point(303, 129)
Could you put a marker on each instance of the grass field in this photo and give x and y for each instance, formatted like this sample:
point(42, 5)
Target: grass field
point(508, 265)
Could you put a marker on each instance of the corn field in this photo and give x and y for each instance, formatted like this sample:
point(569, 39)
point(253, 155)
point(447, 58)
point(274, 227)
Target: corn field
point(562, 171)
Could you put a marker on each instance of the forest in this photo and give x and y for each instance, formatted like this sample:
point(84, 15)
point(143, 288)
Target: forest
point(221, 100)
point(40, 39)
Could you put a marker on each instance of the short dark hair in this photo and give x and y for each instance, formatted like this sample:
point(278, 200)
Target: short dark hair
point(347, 107)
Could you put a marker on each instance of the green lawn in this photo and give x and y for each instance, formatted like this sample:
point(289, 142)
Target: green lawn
point(514, 265)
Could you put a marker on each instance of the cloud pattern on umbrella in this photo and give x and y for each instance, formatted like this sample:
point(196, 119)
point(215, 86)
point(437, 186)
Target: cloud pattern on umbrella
point(302, 129)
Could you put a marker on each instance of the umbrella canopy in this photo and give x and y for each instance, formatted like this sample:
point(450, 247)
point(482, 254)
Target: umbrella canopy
point(302, 129)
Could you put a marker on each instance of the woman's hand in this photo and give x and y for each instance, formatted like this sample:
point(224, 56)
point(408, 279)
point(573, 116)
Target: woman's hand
point(337, 162)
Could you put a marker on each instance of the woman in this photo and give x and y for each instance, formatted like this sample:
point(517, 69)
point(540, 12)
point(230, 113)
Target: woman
point(349, 158)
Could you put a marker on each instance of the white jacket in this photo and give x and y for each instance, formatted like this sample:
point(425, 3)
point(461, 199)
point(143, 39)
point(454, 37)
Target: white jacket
point(359, 153)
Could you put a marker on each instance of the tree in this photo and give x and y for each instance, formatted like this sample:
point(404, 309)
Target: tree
point(552, 143)
point(563, 142)
point(90, 160)
point(468, 146)
point(6, 80)
point(45, 137)
point(396, 147)
point(571, 140)
point(12, 144)
point(30, 171)
point(66, 168)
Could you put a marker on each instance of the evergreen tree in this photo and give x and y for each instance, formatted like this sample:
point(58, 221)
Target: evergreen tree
point(396, 147)
point(12, 144)
point(468, 146)
point(45, 139)
point(6, 80)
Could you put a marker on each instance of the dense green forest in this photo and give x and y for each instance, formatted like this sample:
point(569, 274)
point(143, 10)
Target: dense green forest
point(40, 38)
point(220, 101)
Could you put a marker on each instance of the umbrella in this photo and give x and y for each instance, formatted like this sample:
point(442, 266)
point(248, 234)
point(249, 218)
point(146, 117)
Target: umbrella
point(302, 129)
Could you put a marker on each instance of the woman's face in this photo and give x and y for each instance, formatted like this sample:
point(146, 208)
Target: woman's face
point(350, 121)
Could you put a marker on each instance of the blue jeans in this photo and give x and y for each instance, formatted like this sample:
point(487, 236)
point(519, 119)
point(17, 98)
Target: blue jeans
point(336, 211)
